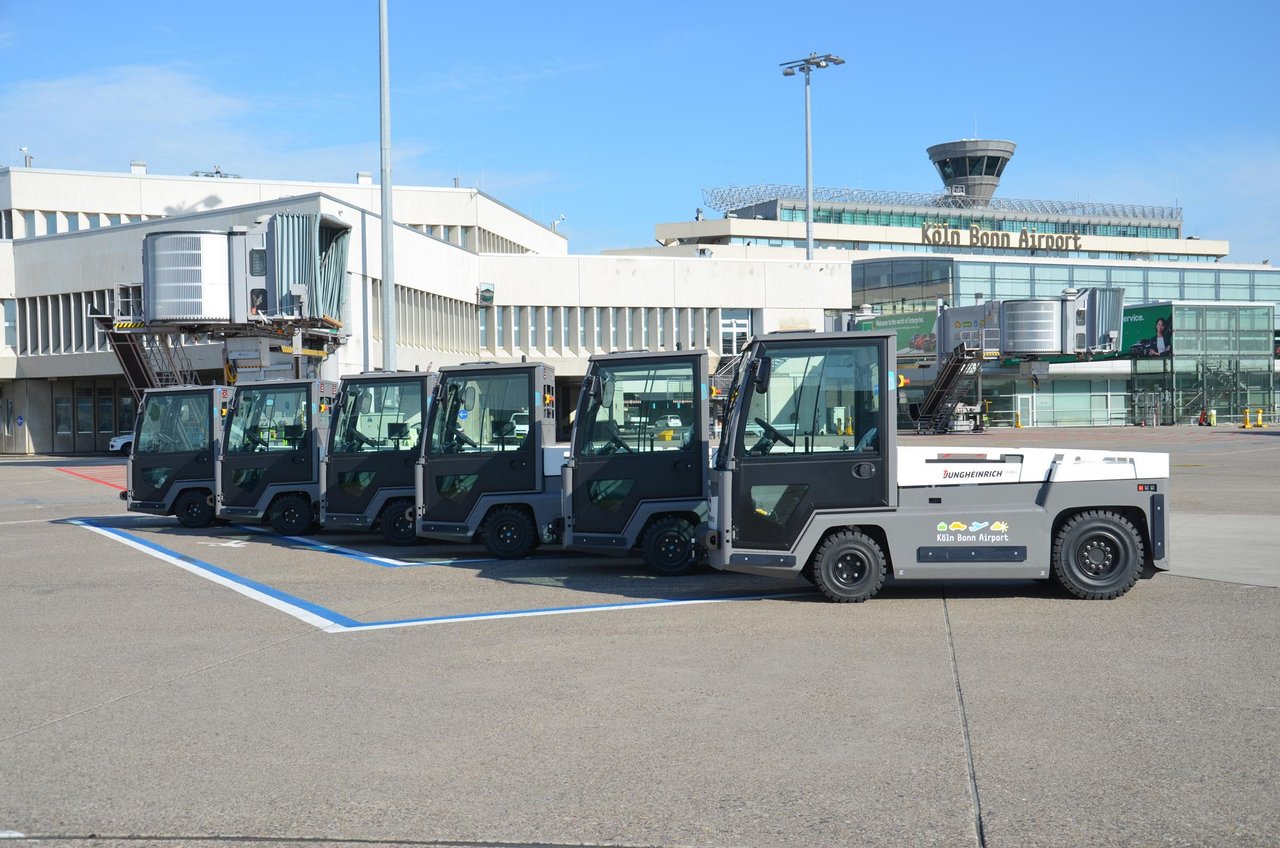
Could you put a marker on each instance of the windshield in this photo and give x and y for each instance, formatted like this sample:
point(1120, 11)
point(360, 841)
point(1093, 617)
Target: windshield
point(175, 423)
point(268, 419)
point(637, 408)
point(821, 397)
point(477, 413)
point(379, 415)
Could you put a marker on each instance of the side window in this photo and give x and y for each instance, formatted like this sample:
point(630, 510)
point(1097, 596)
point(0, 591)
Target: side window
point(268, 420)
point(639, 408)
point(819, 400)
point(379, 416)
point(175, 423)
point(483, 413)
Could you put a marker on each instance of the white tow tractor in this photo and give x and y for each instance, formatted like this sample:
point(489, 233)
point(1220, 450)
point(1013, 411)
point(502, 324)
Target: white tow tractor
point(810, 479)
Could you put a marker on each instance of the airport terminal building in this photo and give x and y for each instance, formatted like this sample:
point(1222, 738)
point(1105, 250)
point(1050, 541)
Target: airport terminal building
point(474, 280)
point(909, 252)
point(478, 280)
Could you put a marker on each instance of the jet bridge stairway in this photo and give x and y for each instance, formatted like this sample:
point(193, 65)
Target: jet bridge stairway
point(149, 359)
point(956, 373)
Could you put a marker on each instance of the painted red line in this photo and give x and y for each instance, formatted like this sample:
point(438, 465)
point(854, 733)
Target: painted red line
point(93, 479)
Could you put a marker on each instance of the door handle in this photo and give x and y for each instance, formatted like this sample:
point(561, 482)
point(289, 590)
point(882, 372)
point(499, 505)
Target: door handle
point(682, 465)
point(864, 470)
point(520, 463)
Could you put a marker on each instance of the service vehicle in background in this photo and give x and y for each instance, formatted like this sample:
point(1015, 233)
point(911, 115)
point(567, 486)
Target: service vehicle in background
point(825, 489)
point(477, 477)
point(637, 476)
point(269, 467)
point(171, 470)
point(374, 445)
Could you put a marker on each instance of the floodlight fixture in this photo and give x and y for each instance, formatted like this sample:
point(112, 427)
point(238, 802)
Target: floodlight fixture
point(806, 66)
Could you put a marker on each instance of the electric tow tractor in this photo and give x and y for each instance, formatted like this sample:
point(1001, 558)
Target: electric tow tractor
point(489, 469)
point(374, 444)
point(176, 443)
point(810, 479)
point(638, 473)
point(270, 462)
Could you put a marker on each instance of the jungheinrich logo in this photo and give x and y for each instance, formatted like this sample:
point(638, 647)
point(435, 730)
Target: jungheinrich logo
point(975, 474)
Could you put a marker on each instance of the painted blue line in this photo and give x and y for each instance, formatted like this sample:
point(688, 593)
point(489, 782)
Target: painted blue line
point(522, 613)
point(269, 591)
point(336, 622)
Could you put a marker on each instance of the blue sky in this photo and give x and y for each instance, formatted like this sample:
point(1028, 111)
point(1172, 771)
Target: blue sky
point(618, 115)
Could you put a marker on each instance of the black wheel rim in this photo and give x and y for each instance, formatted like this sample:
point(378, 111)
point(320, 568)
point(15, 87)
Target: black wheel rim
point(291, 518)
point(401, 524)
point(672, 548)
point(850, 570)
point(1099, 556)
point(509, 536)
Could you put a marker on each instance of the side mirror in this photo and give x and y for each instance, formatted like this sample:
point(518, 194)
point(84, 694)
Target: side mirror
point(469, 398)
point(764, 367)
point(607, 389)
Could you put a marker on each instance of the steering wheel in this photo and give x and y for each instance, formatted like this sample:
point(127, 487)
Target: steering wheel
point(362, 439)
point(165, 442)
point(773, 433)
point(459, 436)
point(255, 436)
point(620, 445)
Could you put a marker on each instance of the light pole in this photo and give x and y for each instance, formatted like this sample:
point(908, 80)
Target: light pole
point(805, 66)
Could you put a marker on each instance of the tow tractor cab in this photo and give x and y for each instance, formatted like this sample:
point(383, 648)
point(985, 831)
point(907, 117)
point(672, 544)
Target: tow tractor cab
point(478, 477)
point(810, 479)
point(638, 475)
point(270, 463)
point(171, 468)
point(374, 445)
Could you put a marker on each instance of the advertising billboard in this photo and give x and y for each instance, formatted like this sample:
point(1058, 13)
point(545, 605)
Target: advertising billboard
point(1148, 330)
point(917, 331)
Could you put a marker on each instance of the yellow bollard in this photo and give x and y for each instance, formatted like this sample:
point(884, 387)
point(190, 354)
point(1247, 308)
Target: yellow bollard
point(1260, 425)
point(1247, 425)
point(1017, 420)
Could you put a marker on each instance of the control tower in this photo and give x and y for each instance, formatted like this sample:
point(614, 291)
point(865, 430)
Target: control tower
point(971, 167)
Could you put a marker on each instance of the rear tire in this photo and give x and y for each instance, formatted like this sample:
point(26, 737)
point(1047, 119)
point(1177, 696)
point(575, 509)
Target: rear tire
point(193, 509)
point(509, 533)
point(1097, 555)
point(291, 515)
point(849, 567)
point(398, 522)
point(668, 546)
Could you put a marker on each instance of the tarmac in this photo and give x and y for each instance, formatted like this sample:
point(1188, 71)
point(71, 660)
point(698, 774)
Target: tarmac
point(231, 687)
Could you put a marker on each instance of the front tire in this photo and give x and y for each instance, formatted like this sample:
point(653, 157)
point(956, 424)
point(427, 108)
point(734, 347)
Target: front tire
point(398, 522)
point(291, 515)
point(193, 509)
point(849, 567)
point(1097, 555)
point(668, 546)
point(509, 533)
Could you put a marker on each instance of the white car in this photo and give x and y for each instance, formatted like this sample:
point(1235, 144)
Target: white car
point(121, 444)
point(669, 422)
point(520, 421)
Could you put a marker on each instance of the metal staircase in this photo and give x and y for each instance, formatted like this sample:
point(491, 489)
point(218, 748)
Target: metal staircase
point(956, 372)
point(149, 358)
